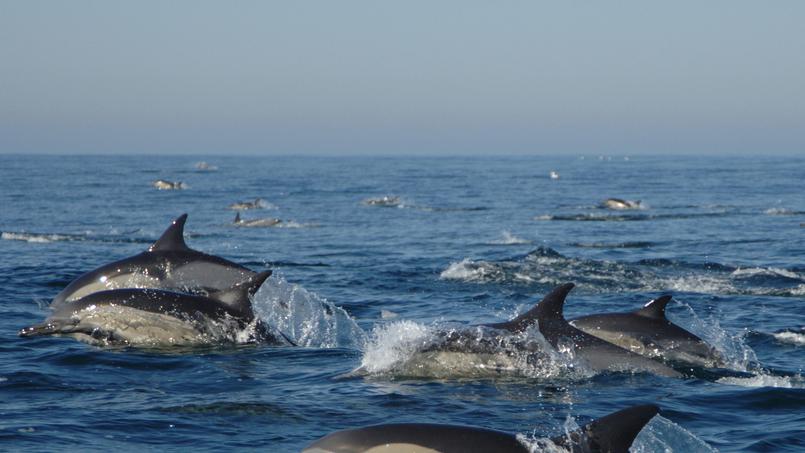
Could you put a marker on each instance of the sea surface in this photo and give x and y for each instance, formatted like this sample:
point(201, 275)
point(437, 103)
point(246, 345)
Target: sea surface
point(470, 240)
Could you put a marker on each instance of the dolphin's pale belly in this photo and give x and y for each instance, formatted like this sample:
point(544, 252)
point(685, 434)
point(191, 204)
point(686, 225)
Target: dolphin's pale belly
point(114, 324)
point(682, 350)
point(626, 342)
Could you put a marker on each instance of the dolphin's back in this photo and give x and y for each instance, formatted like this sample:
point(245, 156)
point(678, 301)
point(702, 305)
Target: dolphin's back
point(418, 437)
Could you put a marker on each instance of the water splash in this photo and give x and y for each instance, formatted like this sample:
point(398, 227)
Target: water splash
point(306, 318)
point(661, 434)
point(737, 353)
point(411, 349)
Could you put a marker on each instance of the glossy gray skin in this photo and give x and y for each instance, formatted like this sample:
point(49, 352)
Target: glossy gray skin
point(168, 264)
point(194, 312)
point(613, 433)
point(649, 333)
point(598, 354)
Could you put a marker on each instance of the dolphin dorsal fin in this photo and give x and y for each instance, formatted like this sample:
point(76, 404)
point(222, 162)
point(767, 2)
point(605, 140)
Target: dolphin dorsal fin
point(549, 308)
point(237, 218)
point(655, 308)
point(613, 433)
point(237, 296)
point(172, 240)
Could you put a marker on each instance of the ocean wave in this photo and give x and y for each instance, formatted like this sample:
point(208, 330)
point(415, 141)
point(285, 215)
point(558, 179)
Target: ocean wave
point(782, 211)
point(471, 271)
point(44, 238)
point(545, 266)
point(766, 272)
point(766, 380)
point(795, 337)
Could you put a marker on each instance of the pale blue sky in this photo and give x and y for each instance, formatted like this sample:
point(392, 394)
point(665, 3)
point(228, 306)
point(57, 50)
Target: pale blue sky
point(411, 77)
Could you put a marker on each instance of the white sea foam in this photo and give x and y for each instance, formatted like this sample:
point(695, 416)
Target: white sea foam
point(770, 271)
point(306, 318)
point(765, 380)
point(699, 284)
point(469, 270)
point(796, 338)
point(31, 237)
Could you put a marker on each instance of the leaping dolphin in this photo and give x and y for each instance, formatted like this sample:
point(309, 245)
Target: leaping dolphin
point(597, 353)
point(155, 317)
point(168, 264)
point(613, 433)
point(649, 333)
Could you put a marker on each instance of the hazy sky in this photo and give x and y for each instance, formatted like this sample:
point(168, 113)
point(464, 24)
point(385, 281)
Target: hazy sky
point(413, 77)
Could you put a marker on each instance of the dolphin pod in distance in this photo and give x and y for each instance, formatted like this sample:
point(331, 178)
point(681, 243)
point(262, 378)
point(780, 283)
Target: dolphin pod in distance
point(613, 433)
point(168, 264)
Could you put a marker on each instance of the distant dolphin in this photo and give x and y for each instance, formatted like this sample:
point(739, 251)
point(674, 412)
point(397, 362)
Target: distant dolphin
point(255, 223)
point(168, 264)
point(619, 204)
point(388, 201)
point(154, 317)
point(246, 205)
point(163, 184)
point(649, 333)
point(595, 352)
point(613, 433)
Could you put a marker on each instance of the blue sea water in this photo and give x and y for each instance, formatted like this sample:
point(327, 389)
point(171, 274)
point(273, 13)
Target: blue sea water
point(473, 239)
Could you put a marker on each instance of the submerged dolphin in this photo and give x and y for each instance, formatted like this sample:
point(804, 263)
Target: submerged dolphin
point(168, 264)
point(155, 317)
point(613, 433)
point(595, 352)
point(649, 333)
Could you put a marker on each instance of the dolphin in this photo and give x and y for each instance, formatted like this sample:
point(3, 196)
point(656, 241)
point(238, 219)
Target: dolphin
point(163, 184)
point(600, 355)
point(385, 201)
point(255, 223)
point(613, 433)
point(619, 204)
point(155, 317)
point(246, 205)
point(168, 264)
point(649, 333)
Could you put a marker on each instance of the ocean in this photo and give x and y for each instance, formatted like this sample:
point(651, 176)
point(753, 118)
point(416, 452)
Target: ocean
point(466, 240)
